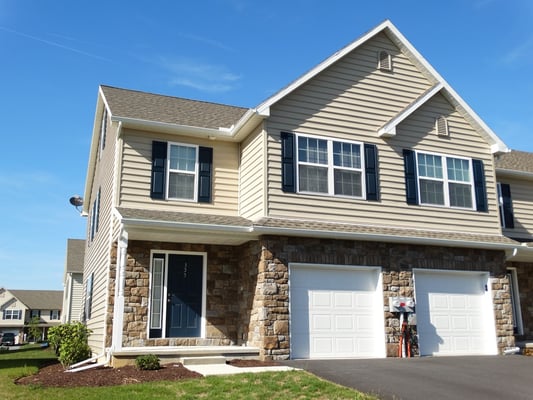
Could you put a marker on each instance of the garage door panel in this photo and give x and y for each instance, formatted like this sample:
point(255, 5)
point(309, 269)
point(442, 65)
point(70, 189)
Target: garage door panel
point(453, 313)
point(338, 316)
point(320, 299)
point(344, 323)
point(343, 299)
point(321, 322)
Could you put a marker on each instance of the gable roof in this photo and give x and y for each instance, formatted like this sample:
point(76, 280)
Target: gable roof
point(386, 27)
point(40, 299)
point(75, 255)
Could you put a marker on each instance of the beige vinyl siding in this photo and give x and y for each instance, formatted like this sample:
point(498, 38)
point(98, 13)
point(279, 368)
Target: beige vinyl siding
point(350, 101)
point(73, 304)
point(76, 306)
point(7, 304)
point(98, 251)
point(252, 176)
point(521, 196)
point(134, 189)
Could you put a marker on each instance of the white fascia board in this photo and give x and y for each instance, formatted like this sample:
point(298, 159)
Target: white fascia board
point(169, 127)
point(185, 226)
point(383, 238)
point(248, 121)
point(514, 173)
point(389, 129)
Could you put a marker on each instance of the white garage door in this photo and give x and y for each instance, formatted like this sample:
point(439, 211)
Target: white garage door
point(336, 312)
point(454, 313)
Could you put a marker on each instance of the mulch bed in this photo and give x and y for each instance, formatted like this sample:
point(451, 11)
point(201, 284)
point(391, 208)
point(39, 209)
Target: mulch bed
point(54, 375)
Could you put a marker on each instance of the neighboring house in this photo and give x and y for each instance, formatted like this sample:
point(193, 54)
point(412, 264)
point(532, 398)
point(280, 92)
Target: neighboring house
point(73, 281)
point(283, 230)
point(514, 173)
point(18, 307)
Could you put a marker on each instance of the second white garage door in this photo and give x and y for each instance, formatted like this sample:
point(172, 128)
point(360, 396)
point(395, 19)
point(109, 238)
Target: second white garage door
point(454, 313)
point(336, 312)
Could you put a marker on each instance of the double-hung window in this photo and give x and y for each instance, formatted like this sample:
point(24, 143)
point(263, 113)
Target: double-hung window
point(445, 181)
point(330, 167)
point(182, 171)
point(12, 314)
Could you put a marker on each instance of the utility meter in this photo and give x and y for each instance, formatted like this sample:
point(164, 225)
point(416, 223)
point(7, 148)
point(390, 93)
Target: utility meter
point(401, 304)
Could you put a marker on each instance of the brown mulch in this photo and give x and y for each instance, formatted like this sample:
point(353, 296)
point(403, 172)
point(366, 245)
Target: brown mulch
point(54, 375)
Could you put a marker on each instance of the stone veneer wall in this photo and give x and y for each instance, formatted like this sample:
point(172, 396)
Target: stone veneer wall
point(248, 287)
point(269, 326)
point(524, 274)
point(229, 288)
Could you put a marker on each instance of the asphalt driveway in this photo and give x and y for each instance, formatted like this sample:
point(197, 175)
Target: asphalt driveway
point(431, 378)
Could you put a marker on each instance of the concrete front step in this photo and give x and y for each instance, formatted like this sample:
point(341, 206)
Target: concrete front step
point(203, 360)
point(169, 354)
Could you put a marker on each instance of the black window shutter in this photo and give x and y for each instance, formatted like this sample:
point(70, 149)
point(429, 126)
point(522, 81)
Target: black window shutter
point(371, 172)
point(508, 215)
point(205, 167)
point(411, 186)
point(159, 157)
point(479, 185)
point(288, 160)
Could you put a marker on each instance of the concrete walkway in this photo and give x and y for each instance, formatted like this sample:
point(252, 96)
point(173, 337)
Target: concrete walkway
point(431, 378)
point(225, 369)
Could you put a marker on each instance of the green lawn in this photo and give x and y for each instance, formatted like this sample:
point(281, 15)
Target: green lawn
point(267, 385)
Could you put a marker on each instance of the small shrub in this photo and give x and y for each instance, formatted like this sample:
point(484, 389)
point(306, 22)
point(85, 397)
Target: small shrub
point(70, 342)
point(147, 362)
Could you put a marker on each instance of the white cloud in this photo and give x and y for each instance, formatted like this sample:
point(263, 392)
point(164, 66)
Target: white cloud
point(200, 76)
point(209, 42)
point(520, 54)
point(53, 44)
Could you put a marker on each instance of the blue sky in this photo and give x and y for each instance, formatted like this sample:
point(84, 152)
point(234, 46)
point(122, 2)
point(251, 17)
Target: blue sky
point(238, 52)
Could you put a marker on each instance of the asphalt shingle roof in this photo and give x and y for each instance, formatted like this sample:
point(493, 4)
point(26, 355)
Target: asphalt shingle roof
point(312, 226)
point(515, 161)
point(172, 110)
point(40, 299)
point(75, 255)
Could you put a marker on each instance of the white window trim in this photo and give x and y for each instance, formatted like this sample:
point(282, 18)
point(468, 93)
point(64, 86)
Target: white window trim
point(331, 167)
point(164, 291)
point(446, 181)
point(168, 171)
point(12, 313)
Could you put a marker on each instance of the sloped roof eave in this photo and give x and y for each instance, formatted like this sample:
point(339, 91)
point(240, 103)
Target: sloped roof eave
point(388, 238)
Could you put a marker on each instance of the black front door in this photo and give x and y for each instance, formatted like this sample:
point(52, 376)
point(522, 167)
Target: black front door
point(184, 295)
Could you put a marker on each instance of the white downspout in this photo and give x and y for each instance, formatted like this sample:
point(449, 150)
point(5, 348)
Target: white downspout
point(120, 280)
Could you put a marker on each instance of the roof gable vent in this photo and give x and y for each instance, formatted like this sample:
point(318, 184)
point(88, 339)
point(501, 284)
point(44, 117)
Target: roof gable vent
point(384, 61)
point(441, 126)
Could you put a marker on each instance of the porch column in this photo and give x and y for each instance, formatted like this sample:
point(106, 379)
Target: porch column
point(120, 279)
